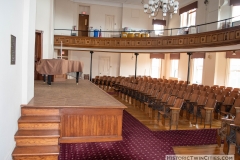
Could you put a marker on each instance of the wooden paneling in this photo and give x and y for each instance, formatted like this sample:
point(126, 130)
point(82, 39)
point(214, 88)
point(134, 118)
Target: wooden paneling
point(42, 112)
point(35, 157)
point(90, 124)
point(36, 141)
point(223, 37)
point(38, 126)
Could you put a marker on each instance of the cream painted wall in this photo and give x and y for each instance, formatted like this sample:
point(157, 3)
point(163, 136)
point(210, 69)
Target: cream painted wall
point(19, 20)
point(66, 16)
point(183, 67)
point(135, 18)
point(98, 14)
point(84, 56)
point(167, 66)
point(220, 72)
point(44, 22)
point(127, 64)
point(209, 67)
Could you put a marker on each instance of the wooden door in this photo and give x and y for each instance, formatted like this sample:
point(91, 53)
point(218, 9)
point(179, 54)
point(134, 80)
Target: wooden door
point(83, 25)
point(104, 66)
point(38, 52)
point(109, 25)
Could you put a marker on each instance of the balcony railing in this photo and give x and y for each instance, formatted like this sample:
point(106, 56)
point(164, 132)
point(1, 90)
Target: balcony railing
point(216, 25)
point(227, 34)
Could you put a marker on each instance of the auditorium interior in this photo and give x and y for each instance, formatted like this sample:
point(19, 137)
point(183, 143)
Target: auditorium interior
point(118, 79)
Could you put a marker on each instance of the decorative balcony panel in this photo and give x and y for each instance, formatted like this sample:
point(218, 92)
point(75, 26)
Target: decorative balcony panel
point(224, 37)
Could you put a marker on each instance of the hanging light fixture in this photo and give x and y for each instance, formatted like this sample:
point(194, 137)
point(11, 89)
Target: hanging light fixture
point(154, 6)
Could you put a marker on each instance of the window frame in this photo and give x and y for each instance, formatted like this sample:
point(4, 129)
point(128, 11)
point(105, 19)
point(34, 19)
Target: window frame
point(156, 30)
point(228, 71)
point(159, 67)
point(194, 70)
point(187, 15)
point(171, 68)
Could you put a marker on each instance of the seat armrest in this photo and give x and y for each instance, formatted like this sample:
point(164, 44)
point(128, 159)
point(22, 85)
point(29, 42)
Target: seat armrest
point(235, 125)
point(227, 119)
point(207, 108)
point(174, 108)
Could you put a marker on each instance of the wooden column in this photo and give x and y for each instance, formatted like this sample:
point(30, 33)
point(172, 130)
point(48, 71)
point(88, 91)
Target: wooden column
point(91, 52)
point(189, 58)
point(136, 54)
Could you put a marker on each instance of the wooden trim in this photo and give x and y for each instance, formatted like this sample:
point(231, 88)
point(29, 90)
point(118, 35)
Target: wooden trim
point(235, 2)
point(159, 21)
point(90, 139)
point(223, 37)
point(229, 54)
point(174, 56)
point(157, 55)
point(188, 7)
point(198, 55)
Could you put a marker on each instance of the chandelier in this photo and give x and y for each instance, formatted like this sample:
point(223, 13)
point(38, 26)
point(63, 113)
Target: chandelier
point(154, 6)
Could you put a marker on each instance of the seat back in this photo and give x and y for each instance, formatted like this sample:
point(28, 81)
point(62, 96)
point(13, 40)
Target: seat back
point(180, 94)
point(228, 101)
point(211, 95)
point(194, 98)
point(236, 104)
point(220, 98)
point(187, 96)
point(211, 103)
point(201, 100)
point(165, 98)
point(178, 103)
point(171, 100)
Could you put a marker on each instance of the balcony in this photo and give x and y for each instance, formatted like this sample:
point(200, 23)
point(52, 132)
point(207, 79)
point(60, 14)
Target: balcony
point(222, 37)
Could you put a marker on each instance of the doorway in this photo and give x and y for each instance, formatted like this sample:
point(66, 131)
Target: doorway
point(109, 25)
point(83, 23)
point(38, 53)
point(104, 66)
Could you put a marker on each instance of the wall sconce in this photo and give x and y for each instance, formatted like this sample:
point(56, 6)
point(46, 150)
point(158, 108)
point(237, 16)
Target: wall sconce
point(206, 2)
point(234, 54)
point(209, 56)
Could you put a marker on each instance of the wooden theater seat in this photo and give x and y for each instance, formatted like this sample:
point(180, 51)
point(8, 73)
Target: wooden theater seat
point(207, 111)
point(174, 113)
point(165, 112)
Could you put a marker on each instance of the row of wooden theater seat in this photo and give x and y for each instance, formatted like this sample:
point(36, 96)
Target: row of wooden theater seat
point(159, 100)
point(140, 93)
point(213, 91)
point(171, 98)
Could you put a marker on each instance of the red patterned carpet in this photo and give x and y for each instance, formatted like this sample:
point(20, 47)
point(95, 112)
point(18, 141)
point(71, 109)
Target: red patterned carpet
point(138, 143)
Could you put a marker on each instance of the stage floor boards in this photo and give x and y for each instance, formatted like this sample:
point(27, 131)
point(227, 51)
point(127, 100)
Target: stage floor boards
point(68, 93)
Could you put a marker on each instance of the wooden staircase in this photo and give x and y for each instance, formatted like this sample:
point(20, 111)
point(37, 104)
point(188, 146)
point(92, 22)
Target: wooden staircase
point(38, 134)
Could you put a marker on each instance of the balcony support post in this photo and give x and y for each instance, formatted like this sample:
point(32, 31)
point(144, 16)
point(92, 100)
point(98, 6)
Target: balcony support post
point(91, 52)
point(189, 58)
point(136, 54)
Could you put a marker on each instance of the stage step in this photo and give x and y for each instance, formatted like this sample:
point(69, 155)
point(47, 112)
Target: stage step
point(39, 119)
point(38, 123)
point(37, 137)
point(36, 153)
point(30, 111)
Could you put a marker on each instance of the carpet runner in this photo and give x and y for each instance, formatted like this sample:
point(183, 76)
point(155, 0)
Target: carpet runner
point(138, 143)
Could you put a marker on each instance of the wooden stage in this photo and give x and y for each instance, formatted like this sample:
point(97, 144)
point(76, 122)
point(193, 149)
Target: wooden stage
point(87, 113)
